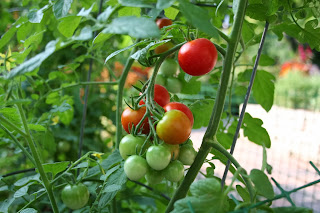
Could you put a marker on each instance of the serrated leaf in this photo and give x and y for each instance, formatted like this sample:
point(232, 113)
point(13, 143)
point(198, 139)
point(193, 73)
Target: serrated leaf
point(117, 178)
point(6, 37)
point(61, 8)
point(134, 26)
point(252, 128)
point(262, 183)
point(55, 168)
point(137, 3)
point(171, 13)
point(68, 25)
point(29, 210)
point(263, 89)
point(34, 62)
point(207, 186)
point(35, 15)
point(163, 4)
point(62, 108)
point(124, 49)
point(37, 127)
point(198, 17)
point(112, 188)
point(200, 110)
point(26, 180)
point(225, 139)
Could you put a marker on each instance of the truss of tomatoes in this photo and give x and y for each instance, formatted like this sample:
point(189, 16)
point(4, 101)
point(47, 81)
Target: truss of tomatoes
point(167, 159)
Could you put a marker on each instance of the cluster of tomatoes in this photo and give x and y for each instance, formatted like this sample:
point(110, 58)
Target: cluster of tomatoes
point(165, 159)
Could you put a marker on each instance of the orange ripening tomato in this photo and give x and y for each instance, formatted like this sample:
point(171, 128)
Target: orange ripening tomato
point(132, 117)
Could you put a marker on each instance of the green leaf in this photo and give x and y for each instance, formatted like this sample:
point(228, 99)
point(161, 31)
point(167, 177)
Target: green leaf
point(171, 13)
point(37, 127)
point(243, 193)
point(6, 37)
point(62, 108)
point(265, 60)
point(104, 16)
point(46, 140)
point(200, 110)
point(12, 114)
point(198, 17)
point(262, 183)
point(138, 3)
point(34, 39)
point(35, 16)
point(163, 4)
point(23, 181)
point(29, 210)
point(190, 84)
point(130, 11)
point(55, 168)
point(68, 25)
point(133, 26)
point(114, 183)
point(254, 131)
point(34, 62)
point(22, 191)
point(85, 34)
point(53, 98)
point(263, 89)
point(101, 37)
point(61, 8)
point(213, 204)
point(292, 209)
point(207, 186)
point(85, 12)
point(264, 11)
point(225, 139)
point(4, 206)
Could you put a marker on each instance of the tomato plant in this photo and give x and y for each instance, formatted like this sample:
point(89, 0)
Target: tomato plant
point(64, 146)
point(130, 145)
point(174, 172)
point(154, 177)
point(161, 95)
point(174, 128)
point(158, 157)
point(187, 154)
point(174, 85)
point(163, 48)
point(131, 117)
point(168, 67)
point(162, 22)
point(180, 106)
point(135, 167)
point(198, 57)
point(75, 196)
point(174, 149)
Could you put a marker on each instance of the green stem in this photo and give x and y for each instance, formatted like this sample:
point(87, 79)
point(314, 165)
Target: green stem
point(121, 83)
point(38, 164)
point(218, 107)
point(11, 125)
point(16, 142)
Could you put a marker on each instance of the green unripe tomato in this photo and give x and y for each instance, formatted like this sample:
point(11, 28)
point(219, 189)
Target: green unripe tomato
point(130, 145)
point(64, 146)
point(154, 177)
point(75, 196)
point(174, 85)
point(135, 167)
point(158, 157)
point(160, 79)
point(174, 172)
point(169, 67)
point(174, 149)
point(187, 154)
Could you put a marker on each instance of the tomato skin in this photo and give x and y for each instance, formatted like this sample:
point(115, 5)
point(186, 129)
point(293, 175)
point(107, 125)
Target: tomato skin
point(135, 167)
point(187, 154)
point(160, 79)
point(131, 117)
point(174, 149)
point(197, 57)
point(64, 146)
point(168, 67)
point(174, 172)
point(162, 22)
point(163, 48)
point(174, 127)
point(180, 106)
point(75, 196)
point(154, 177)
point(130, 144)
point(174, 85)
point(158, 157)
point(161, 95)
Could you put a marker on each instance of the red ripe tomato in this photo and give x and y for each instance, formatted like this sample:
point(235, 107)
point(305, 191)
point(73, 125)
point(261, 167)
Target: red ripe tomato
point(181, 107)
point(174, 127)
point(197, 57)
point(131, 117)
point(162, 22)
point(161, 95)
